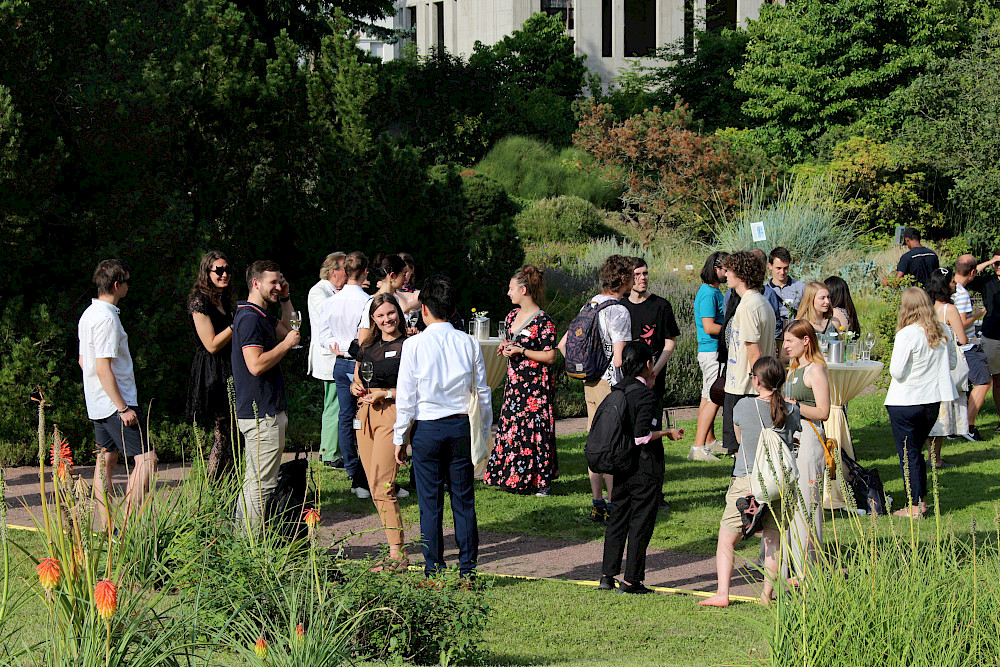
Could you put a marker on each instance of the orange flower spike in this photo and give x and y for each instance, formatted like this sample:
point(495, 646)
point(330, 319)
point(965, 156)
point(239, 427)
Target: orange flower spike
point(311, 517)
point(260, 648)
point(106, 598)
point(300, 632)
point(49, 573)
point(61, 457)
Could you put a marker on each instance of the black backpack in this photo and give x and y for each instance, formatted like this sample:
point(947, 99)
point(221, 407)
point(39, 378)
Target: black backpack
point(611, 444)
point(283, 510)
point(866, 485)
point(585, 357)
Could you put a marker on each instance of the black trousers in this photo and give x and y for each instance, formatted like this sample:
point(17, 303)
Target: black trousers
point(635, 499)
point(729, 440)
point(911, 424)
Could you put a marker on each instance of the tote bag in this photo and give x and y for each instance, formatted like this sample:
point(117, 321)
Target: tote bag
point(774, 467)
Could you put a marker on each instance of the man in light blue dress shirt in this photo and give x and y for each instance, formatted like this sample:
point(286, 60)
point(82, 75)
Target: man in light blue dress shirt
point(441, 369)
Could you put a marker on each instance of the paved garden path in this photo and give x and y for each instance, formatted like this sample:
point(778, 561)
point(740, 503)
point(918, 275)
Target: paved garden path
point(502, 553)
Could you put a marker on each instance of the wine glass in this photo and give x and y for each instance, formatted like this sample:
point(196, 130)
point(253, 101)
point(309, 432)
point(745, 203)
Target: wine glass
point(502, 331)
point(367, 372)
point(295, 320)
point(868, 340)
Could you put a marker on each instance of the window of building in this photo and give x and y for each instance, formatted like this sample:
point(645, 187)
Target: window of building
point(688, 27)
point(561, 8)
point(720, 14)
point(439, 26)
point(376, 50)
point(640, 28)
point(411, 21)
point(606, 28)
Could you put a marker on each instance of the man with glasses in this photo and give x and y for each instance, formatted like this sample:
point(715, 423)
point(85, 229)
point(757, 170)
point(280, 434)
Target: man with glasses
point(110, 392)
point(332, 279)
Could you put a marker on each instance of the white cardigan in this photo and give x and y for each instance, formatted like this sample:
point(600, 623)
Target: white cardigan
point(920, 374)
point(320, 361)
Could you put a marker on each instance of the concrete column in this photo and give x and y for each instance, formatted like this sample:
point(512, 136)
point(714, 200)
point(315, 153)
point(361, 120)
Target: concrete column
point(747, 10)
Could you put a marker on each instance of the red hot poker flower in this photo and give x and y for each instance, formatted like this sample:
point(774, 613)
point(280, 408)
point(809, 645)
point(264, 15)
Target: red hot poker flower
point(61, 457)
point(106, 598)
point(49, 573)
point(260, 648)
point(311, 517)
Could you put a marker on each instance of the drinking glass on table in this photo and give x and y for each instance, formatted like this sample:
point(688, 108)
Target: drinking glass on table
point(868, 342)
point(295, 321)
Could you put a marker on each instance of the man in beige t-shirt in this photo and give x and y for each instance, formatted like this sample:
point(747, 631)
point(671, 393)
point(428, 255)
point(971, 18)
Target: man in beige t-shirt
point(749, 335)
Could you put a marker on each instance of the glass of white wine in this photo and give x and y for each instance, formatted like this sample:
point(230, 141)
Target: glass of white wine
point(367, 372)
point(295, 320)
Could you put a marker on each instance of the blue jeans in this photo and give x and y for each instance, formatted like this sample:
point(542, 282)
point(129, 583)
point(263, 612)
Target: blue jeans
point(442, 449)
point(343, 375)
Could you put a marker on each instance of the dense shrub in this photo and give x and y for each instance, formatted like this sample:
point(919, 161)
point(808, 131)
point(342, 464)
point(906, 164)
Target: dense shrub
point(674, 176)
point(560, 219)
point(534, 170)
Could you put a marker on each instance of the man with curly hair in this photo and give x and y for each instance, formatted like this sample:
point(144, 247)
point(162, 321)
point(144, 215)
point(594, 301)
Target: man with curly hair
point(749, 335)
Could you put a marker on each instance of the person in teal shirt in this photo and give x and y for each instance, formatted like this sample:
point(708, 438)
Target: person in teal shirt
point(708, 319)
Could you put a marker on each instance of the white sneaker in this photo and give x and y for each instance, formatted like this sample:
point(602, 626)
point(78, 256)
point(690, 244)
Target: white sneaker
point(715, 447)
point(700, 454)
point(362, 494)
point(402, 493)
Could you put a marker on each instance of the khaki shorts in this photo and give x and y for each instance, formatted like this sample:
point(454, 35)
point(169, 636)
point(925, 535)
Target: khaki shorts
point(594, 392)
point(739, 487)
point(991, 347)
point(709, 362)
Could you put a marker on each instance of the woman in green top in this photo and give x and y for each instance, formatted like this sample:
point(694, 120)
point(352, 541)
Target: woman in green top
point(809, 387)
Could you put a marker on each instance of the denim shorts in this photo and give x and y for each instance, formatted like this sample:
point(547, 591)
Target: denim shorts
point(113, 435)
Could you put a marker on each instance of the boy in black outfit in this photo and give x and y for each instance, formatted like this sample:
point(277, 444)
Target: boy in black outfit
point(636, 492)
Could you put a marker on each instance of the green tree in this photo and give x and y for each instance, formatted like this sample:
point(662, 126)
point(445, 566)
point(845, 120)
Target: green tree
point(815, 66)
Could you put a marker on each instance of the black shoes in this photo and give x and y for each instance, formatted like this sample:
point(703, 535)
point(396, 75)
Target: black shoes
point(336, 464)
point(974, 435)
point(633, 589)
point(607, 583)
point(599, 513)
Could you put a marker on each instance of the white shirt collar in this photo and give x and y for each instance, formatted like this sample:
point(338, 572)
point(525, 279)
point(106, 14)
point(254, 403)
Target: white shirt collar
point(107, 305)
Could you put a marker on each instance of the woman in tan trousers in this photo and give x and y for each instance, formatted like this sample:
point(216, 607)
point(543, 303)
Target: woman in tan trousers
point(382, 348)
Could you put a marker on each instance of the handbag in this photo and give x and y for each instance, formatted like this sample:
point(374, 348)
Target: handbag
point(866, 486)
point(717, 392)
point(830, 445)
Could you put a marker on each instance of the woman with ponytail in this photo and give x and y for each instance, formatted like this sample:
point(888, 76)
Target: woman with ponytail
point(808, 386)
point(768, 409)
point(524, 458)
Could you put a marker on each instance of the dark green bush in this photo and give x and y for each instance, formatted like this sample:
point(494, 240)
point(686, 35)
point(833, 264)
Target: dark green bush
point(565, 218)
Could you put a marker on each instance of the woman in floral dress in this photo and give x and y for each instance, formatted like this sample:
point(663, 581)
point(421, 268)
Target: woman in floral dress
point(524, 457)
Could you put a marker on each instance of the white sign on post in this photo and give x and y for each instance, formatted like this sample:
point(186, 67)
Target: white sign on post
point(898, 240)
point(757, 231)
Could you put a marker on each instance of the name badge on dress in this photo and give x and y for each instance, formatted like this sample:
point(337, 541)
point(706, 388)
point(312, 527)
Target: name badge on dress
point(390, 354)
point(357, 424)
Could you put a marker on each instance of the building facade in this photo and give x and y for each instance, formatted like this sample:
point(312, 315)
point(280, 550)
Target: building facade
point(611, 33)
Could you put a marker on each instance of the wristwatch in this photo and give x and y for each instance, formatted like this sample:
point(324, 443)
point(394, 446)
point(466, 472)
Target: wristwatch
point(388, 394)
point(127, 408)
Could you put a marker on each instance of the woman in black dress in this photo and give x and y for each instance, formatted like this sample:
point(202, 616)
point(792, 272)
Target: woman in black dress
point(524, 458)
point(210, 305)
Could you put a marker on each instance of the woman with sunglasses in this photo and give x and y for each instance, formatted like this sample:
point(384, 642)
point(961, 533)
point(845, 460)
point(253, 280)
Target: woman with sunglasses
point(210, 306)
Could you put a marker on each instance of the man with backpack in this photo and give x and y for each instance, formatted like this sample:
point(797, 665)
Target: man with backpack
point(593, 348)
point(625, 440)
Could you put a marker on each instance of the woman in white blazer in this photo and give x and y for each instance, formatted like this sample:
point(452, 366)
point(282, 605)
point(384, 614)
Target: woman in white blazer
point(921, 379)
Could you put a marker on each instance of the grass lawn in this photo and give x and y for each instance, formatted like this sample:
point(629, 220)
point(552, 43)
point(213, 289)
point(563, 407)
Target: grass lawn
point(695, 489)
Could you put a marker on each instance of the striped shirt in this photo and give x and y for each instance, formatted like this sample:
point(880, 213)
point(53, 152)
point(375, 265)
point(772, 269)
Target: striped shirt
point(963, 302)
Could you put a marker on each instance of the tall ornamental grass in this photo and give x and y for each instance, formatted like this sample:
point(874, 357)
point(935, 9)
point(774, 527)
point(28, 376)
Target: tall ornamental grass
point(804, 218)
point(903, 594)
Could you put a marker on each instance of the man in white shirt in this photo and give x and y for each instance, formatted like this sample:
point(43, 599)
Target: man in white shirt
point(110, 392)
point(338, 327)
point(439, 372)
point(321, 361)
point(614, 323)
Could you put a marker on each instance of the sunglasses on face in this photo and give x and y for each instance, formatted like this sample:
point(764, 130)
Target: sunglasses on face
point(220, 270)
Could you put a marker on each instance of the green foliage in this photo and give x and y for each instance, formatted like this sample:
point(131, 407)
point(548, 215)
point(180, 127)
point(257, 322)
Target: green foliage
point(439, 624)
point(951, 115)
point(805, 218)
point(814, 66)
point(884, 185)
point(560, 219)
point(534, 170)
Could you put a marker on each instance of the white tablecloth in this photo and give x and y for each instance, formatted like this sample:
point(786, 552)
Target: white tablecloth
point(847, 381)
point(496, 371)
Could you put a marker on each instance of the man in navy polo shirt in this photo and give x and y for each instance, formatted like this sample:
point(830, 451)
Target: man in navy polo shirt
point(260, 342)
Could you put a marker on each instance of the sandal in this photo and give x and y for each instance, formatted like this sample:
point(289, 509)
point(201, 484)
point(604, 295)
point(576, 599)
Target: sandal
point(913, 511)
